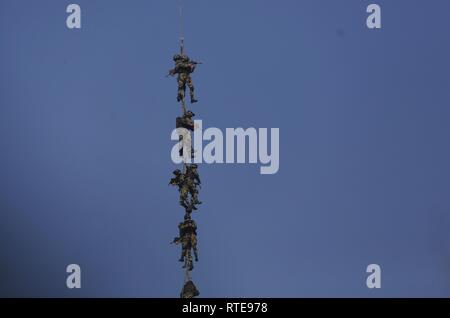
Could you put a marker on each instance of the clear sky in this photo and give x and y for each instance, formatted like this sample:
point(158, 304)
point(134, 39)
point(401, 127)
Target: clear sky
point(85, 123)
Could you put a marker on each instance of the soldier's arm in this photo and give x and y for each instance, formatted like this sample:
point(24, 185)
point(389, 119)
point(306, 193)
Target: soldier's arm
point(173, 71)
point(176, 69)
point(175, 241)
point(173, 181)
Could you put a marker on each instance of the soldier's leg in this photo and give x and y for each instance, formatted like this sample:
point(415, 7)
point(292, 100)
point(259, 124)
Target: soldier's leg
point(190, 264)
point(194, 194)
point(186, 252)
point(191, 89)
point(180, 90)
point(194, 246)
point(188, 255)
point(181, 86)
point(188, 260)
point(183, 251)
point(183, 196)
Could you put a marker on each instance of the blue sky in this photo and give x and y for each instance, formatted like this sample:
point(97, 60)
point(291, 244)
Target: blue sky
point(85, 123)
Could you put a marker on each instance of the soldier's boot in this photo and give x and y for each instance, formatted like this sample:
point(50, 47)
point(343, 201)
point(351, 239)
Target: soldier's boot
point(191, 92)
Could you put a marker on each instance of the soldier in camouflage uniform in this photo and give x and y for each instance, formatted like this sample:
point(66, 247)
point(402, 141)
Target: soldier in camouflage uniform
point(187, 185)
point(188, 239)
point(184, 67)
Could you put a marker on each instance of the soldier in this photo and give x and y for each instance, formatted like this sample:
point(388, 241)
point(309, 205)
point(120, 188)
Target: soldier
point(188, 239)
point(187, 184)
point(184, 67)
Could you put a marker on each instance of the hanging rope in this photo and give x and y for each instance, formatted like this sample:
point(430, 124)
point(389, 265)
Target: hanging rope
point(187, 276)
point(181, 25)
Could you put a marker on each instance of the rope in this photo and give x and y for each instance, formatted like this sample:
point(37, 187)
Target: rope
point(183, 103)
point(187, 275)
point(181, 22)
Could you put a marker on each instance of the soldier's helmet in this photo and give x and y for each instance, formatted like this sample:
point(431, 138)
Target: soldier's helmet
point(189, 114)
point(185, 58)
point(189, 290)
point(177, 172)
point(194, 166)
point(176, 57)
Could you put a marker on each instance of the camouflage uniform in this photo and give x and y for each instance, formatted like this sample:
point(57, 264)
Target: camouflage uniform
point(184, 67)
point(188, 239)
point(180, 181)
point(187, 185)
point(192, 174)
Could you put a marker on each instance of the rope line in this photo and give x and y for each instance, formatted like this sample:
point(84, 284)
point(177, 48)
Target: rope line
point(189, 288)
point(181, 25)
